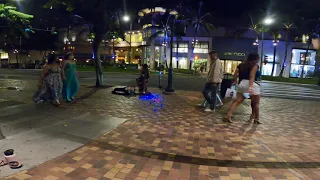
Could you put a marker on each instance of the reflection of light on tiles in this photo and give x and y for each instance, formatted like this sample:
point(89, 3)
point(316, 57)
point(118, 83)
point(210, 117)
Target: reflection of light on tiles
point(155, 100)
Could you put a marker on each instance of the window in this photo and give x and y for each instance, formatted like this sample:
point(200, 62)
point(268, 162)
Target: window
point(183, 47)
point(300, 58)
point(182, 63)
point(296, 71)
point(201, 47)
point(230, 66)
point(267, 69)
point(135, 38)
point(4, 56)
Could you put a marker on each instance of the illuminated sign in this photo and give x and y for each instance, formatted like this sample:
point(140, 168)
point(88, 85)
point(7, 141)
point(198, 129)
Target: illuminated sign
point(234, 54)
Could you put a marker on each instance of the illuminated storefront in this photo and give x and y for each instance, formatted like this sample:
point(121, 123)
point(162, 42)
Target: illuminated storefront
point(300, 59)
point(232, 52)
point(180, 58)
point(4, 58)
point(201, 51)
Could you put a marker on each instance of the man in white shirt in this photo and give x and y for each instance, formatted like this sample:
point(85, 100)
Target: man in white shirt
point(214, 78)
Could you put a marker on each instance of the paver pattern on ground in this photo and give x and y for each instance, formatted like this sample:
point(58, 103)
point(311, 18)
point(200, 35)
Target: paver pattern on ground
point(180, 141)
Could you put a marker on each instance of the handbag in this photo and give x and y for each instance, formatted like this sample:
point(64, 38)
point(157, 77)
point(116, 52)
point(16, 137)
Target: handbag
point(231, 92)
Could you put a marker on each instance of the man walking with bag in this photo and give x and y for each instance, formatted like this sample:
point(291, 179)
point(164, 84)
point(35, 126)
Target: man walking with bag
point(214, 79)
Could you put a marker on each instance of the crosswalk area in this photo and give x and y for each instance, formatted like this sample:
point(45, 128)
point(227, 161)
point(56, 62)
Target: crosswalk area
point(290, 91)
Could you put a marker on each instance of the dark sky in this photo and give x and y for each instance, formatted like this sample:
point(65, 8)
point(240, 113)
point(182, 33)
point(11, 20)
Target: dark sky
point(223, 11)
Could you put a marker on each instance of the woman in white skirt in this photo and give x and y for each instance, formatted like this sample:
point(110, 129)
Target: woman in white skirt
point(246, 72)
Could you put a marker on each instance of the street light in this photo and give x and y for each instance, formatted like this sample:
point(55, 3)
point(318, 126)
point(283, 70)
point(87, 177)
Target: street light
point(267, 21)
point(126, 18)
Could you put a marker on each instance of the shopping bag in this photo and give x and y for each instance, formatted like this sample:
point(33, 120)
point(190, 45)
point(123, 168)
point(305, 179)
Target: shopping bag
point(231, 93)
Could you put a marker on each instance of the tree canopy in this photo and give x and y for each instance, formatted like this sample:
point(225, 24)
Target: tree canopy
point(13, 24)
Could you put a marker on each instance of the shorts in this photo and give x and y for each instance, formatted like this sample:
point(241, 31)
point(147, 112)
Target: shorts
point(243, 87)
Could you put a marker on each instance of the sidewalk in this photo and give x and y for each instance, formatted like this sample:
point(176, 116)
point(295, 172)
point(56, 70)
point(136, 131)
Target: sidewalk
point(180, 141)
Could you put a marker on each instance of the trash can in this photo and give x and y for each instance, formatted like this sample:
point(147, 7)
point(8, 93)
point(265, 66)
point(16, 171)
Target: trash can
point(225, 84)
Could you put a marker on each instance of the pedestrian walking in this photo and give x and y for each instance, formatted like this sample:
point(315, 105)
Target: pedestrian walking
point(70, 78)
point(204, 103)
point(50, 85)
point(214, 79)
point(246, 73)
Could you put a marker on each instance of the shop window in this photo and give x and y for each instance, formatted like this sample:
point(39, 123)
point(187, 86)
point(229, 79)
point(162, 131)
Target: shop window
point(201, 47)
point(230, 66)
point(4, 56)
point(300, 58)
point(267, 69)
point(182, 63)
point(296, 71)
point(135, 38)
point(183, 47)
point(200, 62)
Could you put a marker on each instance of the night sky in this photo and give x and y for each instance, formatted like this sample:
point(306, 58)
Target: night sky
point(224, 12)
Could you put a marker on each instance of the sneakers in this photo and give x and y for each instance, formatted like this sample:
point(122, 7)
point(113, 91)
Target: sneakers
point(219, 105)
point(200, 105)
point(209, 110)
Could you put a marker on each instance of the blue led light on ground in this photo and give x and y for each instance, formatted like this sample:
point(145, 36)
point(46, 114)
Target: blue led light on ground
point(155, 100)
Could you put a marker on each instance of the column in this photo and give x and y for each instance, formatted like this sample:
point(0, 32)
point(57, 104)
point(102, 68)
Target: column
point(189, 52)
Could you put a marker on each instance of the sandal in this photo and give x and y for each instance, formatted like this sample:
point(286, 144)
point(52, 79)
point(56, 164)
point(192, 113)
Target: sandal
point(3, 163)
point(226, 119)
point(257, 121)
point(57, 104)
point(251, 119)
point(15, 165)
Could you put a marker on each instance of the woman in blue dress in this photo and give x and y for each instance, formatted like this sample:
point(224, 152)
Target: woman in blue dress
point(50, 84)
point(70, 79)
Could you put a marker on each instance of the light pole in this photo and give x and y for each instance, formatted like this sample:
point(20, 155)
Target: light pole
point(266, 22)
point(169, 88)
point(127, 19)
point(113, 51)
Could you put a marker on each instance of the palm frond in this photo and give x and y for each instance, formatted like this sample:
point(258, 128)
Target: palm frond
point(209, 28)
point(157, 34)
point(288, 26)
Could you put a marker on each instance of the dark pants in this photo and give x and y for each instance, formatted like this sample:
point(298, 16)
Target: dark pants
point(142, 84)
point(212, 98)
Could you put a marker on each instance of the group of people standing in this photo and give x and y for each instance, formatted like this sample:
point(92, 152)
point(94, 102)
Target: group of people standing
point(245, 79)
point(58, 78)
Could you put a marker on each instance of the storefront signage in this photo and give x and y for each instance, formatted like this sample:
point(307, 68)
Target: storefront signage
point(234, 54)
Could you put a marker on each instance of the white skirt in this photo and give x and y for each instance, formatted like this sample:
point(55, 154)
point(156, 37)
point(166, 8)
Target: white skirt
point(243, 87)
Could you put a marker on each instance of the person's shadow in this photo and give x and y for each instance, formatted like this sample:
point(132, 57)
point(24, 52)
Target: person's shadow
point(248, 129)
point(1, 134)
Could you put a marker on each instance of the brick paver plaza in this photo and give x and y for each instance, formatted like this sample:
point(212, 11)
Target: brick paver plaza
point(180, 141)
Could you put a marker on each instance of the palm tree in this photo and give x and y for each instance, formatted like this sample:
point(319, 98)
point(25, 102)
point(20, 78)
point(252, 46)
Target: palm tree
point(288, 26)
point(163, 32)
point(166, 29)
point(313, 31)
point(276, 36)
point(198, 22)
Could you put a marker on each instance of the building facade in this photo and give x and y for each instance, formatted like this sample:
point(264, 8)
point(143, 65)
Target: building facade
point(234, 51)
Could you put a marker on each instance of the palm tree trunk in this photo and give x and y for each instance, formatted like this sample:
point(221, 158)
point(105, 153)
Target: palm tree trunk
point(305, 60)
point(97, 62)
point(274, 59)
point(193, 46)
point(285, 54)
point(177, 54)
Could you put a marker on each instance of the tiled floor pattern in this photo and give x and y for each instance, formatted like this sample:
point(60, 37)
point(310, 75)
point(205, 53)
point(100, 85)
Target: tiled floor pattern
point(180, 141)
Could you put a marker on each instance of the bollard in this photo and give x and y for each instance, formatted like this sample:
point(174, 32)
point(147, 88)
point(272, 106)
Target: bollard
point(11, 159)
